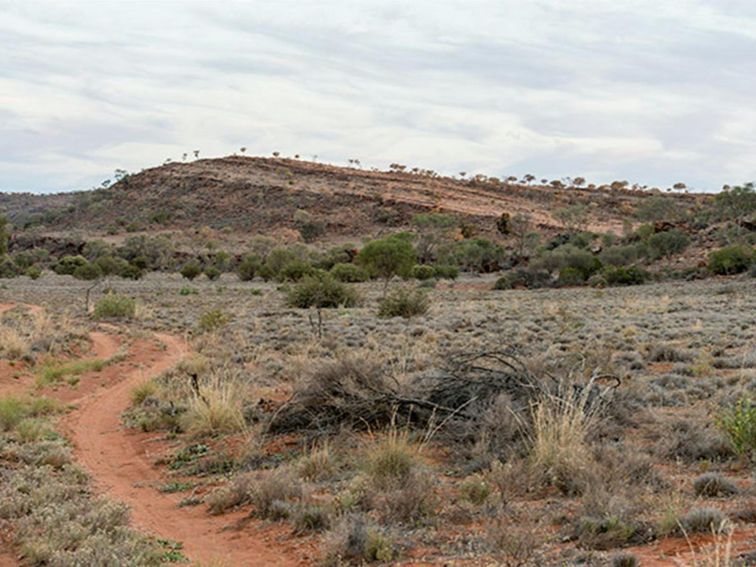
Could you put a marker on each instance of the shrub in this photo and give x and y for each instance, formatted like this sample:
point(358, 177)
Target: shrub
point(349, 273)
point(569, 256)
point(570, 277)
point(310, 518)
point(275, 262)
point(446, 272)
point(386, 258)
point(527, 278)
point(668, 243)
point(68, 264)
point(353, 542)
point(278, 487)
point(321, 290)
point(87, 272)
point(713, 485)
point(191, 270)
point(621, 255)
point(476, 255)
point(702, 520)
point(8, 269)
point(212, 320)
point(212, 273)
point(624, 275)
point(739, 424)
point(422, 272)
point(730, 260)
point(114, 306)
point(294, 271)
point(34, 272)
point(248, 267)
point(404, 303)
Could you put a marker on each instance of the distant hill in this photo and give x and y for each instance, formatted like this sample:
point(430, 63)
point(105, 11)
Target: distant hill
point(263, 195)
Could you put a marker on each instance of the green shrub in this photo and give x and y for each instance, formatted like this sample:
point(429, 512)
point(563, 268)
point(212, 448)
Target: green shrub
point(294, 271)
point(191, 270)
point(130, 272)
point(569, 256)
point(8, 268)
point(248, 267)
point(475, 255)
point(349, 273)
point(34, 272)
point(446, 272)
point(386, 258)
point(87, 272)
point(532, 278)
point(621, 255)
point(404, 303)
point(213, 319)
point(114, 306)
point(321, 290)
point(68, 264)
point(570, 277)
point(731, 260)
point(668, 243)
point(275, 262)
point(739, 424)
point(422, 272)
point(624, 275)
point(212, 273)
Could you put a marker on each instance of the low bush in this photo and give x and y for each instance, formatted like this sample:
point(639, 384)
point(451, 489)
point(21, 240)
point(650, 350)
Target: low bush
point(34, 272)
point(349, 273)
point(739, 425)
point(68, 264)
point(422, 272)
point(87, 272)
point(191, 270)
point(294, 271)
point(524, 278)
point(213, 320)
point(404, 303)
point(624, 275)
point(248, 267)
point(114, 306)
point(731, 260)
point(668, 243)
point(712, 485)
point(212, 273)
point(446, 272)
point(702, 520)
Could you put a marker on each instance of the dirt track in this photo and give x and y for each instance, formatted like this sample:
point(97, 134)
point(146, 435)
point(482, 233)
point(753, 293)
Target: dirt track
point(121, 465)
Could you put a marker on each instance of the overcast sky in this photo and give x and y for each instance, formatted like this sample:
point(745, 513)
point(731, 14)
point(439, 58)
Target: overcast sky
point(649, 91)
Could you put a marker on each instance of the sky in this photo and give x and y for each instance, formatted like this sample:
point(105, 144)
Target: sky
point(653, 92)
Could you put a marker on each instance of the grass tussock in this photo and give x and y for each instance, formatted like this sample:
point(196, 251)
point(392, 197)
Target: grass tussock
point(216, 406)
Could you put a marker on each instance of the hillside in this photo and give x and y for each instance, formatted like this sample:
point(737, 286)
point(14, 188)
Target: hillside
point(262, 195)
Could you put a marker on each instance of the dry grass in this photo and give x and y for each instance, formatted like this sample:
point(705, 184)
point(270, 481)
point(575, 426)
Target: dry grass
point(562, 424)
point(217, 405)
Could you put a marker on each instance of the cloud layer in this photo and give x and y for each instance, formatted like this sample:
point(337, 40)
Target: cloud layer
point(653, 92)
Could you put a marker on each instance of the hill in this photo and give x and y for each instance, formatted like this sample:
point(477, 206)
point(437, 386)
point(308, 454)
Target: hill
point(263, 195)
